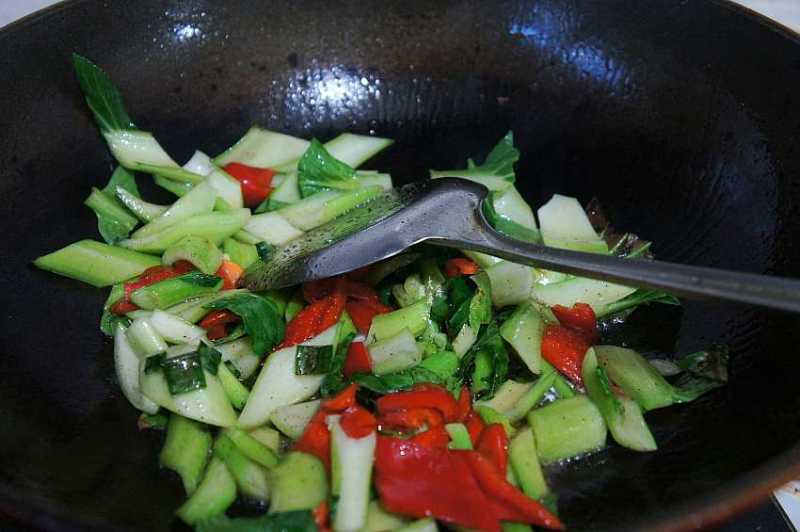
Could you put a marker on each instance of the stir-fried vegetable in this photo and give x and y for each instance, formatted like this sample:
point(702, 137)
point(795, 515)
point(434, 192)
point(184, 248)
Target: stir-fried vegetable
point(430, 386)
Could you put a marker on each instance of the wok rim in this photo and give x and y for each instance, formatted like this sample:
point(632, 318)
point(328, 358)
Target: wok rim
point(709, 509)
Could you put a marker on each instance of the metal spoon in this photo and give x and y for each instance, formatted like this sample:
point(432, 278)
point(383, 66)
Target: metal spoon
point(446, 212)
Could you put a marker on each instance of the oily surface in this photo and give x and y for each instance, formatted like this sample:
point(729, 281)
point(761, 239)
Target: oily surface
point(680, 116)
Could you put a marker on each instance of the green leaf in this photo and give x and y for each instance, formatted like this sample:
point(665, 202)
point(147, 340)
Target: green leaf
point(705, 370)
point(335, 381)
point(441, 368)
point(641, 296)
point(264, 250)
point(492, 352)
point(313, 359)
point(270, 204)
point(199, 279)
point(209, 358)
point(480, 306)
point(498, 166)
point(506, 226)
point(297, 521)
point(318, 170)
point(124, 178)
point(102, 96)
point(261, 318)
point(183, 373)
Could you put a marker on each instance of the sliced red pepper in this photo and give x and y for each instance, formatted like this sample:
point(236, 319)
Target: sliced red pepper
point(341, 401)
point(410, 420)
point(149, 276)
point(433, 438)
point(230, 273)
point(314, 319)
point(215, 321)
point(357, 422)
point(322, 515)
point(357, 361)
point(464, 403)
point(122, 306)
point(421, 396)
point(460, 266)
point(495, 485)
point(319, 289)
point(475, 426)
point(360, 274)
point(580, 317)
point(565, 348)
point(421, 481)
point(316, 439)
point(493, 445)
point(363, 312)
point(256, 183)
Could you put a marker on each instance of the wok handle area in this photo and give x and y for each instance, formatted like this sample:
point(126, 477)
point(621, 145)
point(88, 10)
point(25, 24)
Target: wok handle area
point(694, 282)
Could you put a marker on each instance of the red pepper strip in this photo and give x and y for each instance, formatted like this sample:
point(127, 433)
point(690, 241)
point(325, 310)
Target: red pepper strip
point(322, 516)
point(256, 183)
point(460, 266)
point(230, 273)
point(410, 420)
point(580, 317)
point(360, 291)
point(215, 321)
point(316, 439)
point(357, 361)
point(421, 396)
point(341, 401)
point(148, 277)
point(357, 422)
point(433, 438)
point(493, 445)
point(464, 404)
point(565, 348)
point(475, 426)
point(494, 484)
point(313, 319)
point(122, 306)
point(363, 312)
point(423, 481)
point(316, 290)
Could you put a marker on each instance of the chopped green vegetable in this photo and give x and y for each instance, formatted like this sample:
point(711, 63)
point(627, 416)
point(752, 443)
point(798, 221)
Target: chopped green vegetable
point(297, 521)
point(313, 359)
point(496, 172)
point(261, 317)
point(102, 96)
point(186, 450)
point(318, 170)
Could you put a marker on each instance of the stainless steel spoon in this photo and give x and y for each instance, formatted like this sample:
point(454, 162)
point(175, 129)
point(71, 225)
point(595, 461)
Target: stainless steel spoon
point(446, 212)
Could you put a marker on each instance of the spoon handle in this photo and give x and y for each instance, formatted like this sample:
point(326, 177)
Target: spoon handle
point(690, 281)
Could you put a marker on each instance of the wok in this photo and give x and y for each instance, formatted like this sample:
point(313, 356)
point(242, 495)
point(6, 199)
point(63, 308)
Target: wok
point(681, 117)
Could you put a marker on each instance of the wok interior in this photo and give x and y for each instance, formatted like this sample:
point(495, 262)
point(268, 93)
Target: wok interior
point(677, 117)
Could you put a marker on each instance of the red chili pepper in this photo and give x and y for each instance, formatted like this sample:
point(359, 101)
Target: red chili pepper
point(148, 277)
point(475, 426)
point(357, 361)
point(122, 306)
point(230, 273)
point(363, 312)
point(359, 274)
point(421, 396)
point(433, 438)
point(464, 403)
point(580, 317)
point(565, 348)
point(460, 266)
point(256, 183)
point(319, 289)
point(494, 484)
point(314, 319)
point(412, 419)
point(322, 515)
point(493, 445)
point(316, 439)
point(341, 401)
point(215, 321)
point(433, 481)
point(357, 422)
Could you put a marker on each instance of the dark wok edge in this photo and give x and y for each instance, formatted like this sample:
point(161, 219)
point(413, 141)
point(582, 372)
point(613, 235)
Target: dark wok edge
point(707, 510)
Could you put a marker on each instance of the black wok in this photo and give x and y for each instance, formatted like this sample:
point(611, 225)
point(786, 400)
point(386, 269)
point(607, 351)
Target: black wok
point(681, 117)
